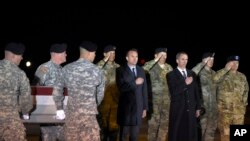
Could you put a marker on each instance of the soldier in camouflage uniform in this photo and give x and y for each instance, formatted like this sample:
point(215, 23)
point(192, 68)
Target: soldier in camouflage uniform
point(46, 75)
point(108, 107)
point(158, 69)
point(85, 84)
point(15, 94)
point(208, 88)
point(232, 96)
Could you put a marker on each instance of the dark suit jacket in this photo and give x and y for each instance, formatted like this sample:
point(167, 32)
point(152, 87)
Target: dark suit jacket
point(133, 98)
point(185, 101)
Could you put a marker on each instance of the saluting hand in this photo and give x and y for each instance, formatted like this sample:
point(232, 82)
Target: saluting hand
point(158, 57)
point(205, 60)
point(106, 58)
point(229, 65)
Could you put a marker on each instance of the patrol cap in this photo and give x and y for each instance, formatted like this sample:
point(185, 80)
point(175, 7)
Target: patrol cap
point(89, 46)
point(158, 50)
point(16, 48)
point(58, 48)
point(233, 58)
point(207, 54)
point(109, 48)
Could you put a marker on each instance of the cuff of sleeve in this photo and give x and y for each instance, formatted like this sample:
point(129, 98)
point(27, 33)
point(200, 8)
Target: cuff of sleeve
point(59, 107)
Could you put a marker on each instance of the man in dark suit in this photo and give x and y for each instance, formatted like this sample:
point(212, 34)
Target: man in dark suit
point(133, 101)
point(185, 102)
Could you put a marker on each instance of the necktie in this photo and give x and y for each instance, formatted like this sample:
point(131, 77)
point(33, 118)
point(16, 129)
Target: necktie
point(134, 73)
point(184, 74)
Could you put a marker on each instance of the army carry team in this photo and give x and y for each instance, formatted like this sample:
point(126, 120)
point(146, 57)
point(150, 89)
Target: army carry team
point(107, 101)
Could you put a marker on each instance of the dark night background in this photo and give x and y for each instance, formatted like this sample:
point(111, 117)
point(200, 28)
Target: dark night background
point(223, 32)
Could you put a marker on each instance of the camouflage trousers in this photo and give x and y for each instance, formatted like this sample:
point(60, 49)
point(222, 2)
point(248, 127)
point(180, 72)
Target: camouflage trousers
point(224, 122)
point(11, 127)
point(208, 126)
point(158, 124)
point(81, 127)
point(107, 121)
point(52, 133)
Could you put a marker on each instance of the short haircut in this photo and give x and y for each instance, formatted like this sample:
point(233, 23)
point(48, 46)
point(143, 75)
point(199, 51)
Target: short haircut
point(179, 54)
point(133, 49)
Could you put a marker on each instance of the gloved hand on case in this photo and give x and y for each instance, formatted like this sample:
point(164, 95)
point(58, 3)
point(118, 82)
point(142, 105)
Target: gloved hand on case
point(60, 115)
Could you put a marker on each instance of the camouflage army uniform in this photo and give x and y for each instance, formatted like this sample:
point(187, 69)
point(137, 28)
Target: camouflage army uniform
point(232, 100)
point(208, 88)
point(109, 105)
point(158, 124)
point(14, 98)
point(85, 85)
point(46, 75)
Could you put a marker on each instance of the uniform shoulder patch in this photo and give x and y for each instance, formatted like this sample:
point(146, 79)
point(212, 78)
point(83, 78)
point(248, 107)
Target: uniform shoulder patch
point(43, 69)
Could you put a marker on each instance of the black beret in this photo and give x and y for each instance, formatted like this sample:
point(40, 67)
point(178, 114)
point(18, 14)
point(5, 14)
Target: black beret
point(207, 54)
point(158, 50)
point(58, 48)
point(233, 58)
point(109, 48)
point(16, 48)
point(89, 46)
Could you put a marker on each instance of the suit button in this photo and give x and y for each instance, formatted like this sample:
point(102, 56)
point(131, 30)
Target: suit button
point(187, 110)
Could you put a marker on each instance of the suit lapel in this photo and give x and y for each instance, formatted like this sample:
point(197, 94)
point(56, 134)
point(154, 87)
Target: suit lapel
point(138, 72)
point(188, 73)
point(178, 73)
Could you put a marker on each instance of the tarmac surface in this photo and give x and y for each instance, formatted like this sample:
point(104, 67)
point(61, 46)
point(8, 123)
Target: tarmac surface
point(33, 130)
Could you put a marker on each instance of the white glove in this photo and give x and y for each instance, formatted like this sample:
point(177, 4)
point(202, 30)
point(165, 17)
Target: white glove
point(60, 115)
point(26, 116)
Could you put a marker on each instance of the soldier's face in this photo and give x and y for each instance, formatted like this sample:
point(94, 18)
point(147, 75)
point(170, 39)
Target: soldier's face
point(132, 57)
point(91, 56)
point(163, 58)
point(63, 56)
point(60, 57)
point(17, 59)
point(235, 65)
point(210, 62)
point(111, 56)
